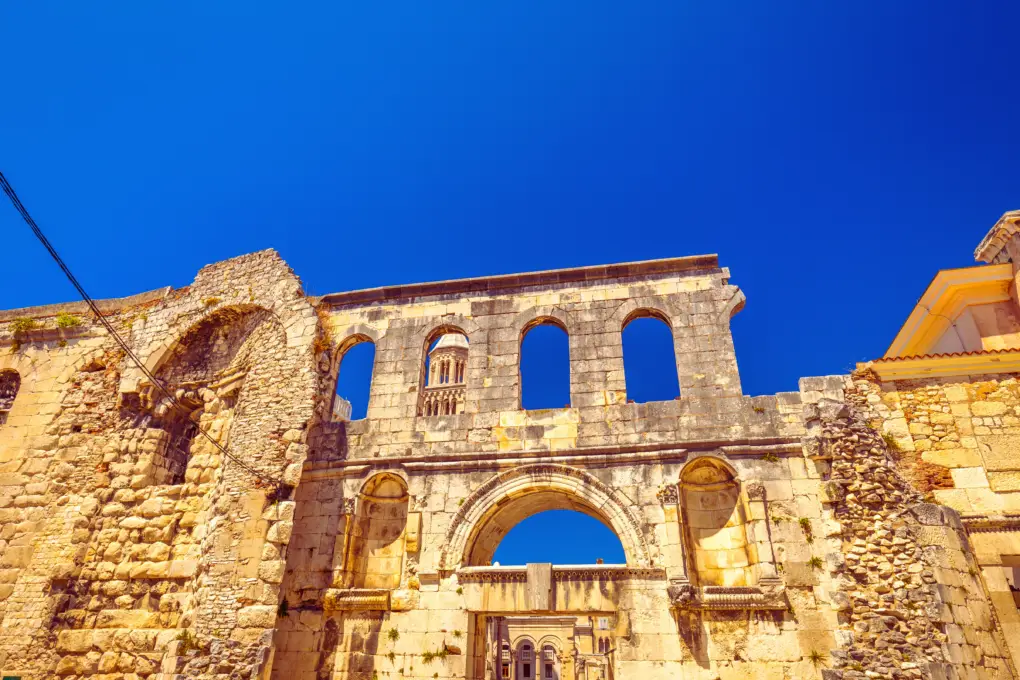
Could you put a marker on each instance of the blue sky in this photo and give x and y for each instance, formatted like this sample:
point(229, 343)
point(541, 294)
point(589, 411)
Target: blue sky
point(835, 155)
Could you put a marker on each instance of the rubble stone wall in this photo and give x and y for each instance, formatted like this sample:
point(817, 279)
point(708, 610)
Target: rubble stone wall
point(109, 570)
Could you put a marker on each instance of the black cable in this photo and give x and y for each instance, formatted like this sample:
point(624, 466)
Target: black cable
point(9, 190)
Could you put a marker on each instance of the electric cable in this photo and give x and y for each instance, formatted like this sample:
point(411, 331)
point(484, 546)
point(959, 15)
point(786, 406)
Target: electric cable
point(9, 190)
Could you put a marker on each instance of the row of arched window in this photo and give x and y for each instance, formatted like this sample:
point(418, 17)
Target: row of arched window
point(524, 665)
point(649, 358)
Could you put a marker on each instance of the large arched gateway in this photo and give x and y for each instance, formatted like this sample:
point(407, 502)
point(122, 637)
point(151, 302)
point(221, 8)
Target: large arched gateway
point(509, 497)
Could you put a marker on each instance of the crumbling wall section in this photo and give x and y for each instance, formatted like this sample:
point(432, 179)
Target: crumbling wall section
point(909, 600)
point(120, 568)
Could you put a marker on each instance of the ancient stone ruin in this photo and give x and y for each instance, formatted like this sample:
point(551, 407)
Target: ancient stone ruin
point(226, 518)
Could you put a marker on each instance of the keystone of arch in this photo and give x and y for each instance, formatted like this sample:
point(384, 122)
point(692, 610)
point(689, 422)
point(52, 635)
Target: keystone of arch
point(512, 485)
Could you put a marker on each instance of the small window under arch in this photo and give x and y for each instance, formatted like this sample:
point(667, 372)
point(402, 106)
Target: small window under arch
point(649, 360)
point(354, 380)
point(545, 367)
point(10, 383)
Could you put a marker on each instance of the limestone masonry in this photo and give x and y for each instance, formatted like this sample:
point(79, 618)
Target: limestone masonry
point(865, 526)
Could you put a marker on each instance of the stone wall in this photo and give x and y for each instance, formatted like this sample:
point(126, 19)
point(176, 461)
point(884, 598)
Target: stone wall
point(113, 564)
point(694, 298)
point(784, 537)
point(909, 598)
point(957, 438)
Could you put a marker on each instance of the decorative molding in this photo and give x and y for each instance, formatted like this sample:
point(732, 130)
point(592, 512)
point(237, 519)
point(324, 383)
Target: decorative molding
point(991, 523)
point(362, 599)
point(980, 362)
point(567, 572)
point(718, 598)
point(348, 505)
point(669, 495)
point(617, 455)
point(991, 246)
point(755, 491)
point(948, 294)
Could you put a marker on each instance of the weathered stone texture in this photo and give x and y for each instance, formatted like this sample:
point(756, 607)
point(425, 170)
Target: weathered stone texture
point(773, 536)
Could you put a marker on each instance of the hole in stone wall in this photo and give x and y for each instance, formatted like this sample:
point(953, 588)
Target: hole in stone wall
point(560, 537)
point(354, 382)
point(10, 383)
point(445, 375)
point(545, 367)
point(649, 360)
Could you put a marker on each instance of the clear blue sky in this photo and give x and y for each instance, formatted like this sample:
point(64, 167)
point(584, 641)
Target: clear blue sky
point(835, 155)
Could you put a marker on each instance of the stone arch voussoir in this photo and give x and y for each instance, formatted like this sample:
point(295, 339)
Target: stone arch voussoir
point(535, 316)
point(505, 486)
point(637, 308)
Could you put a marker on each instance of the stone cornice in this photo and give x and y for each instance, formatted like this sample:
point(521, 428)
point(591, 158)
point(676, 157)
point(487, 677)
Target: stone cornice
point(564, 572)
point(991, 245)
point(602, 456)
point(108, 306)
point(692, 265)
point(948, 294)
point(976, 524)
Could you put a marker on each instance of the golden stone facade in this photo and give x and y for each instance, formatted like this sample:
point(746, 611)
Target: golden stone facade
point(865, 526)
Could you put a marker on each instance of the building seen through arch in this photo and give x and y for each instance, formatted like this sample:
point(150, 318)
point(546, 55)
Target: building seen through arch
point(443, 391)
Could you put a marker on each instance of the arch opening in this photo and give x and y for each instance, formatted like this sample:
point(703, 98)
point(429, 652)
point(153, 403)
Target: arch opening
point(10, 384)
point(444, 373)
point(545, 526)
point(508, 497)
point(649, 358)
point(526, 663)
point(354, 378)
point(550, 662)
point(206, 370)
point(545, 365)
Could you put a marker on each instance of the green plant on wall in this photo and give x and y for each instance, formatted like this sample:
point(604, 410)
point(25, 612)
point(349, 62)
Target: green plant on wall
point(65, 320)
point(805, 526)
point(18, 327)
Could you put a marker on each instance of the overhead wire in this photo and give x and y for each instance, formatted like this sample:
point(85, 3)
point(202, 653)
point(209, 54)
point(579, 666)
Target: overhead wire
point(101, 318)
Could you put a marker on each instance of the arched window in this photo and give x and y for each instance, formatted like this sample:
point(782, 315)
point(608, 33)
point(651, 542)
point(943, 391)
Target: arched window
point(10, 383)
point(444, 373)
point(550, 663)
point(354, 378)
point(545, 366)
point(649, 359)
point(504, 660)
point(579, 539)
point(526, 661)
